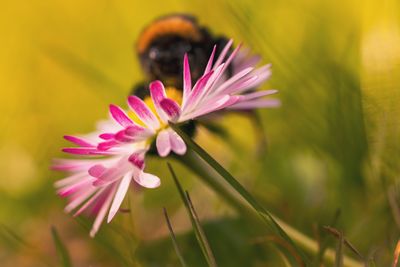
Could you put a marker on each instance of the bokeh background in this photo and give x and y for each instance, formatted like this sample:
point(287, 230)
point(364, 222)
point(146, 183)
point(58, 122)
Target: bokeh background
point(334, 145)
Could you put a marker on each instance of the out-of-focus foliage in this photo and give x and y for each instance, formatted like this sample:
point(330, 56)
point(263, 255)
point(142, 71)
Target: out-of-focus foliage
point(333, 145)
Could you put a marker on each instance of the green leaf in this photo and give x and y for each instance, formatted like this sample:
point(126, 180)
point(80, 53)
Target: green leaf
point(62, 251)
point(264, 214)
point(201, 238)
point(173, 238)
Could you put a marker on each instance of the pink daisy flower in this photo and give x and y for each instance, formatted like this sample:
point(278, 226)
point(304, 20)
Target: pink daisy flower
point(115, 153)
point(211, 93)
point(98, 185)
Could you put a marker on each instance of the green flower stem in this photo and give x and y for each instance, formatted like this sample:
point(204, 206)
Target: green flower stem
point(211, 178)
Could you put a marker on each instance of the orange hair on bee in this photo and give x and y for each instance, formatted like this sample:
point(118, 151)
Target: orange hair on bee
point(174, 25)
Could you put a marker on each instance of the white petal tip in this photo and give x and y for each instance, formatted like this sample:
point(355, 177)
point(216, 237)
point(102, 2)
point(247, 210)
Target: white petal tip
point(111, 216)
point(67, 209)
point(93, 233)
point(163, 154)
point(181, 152)
point(148, 180)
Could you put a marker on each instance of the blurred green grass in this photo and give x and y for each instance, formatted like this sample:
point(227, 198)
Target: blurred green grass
point(334, 143)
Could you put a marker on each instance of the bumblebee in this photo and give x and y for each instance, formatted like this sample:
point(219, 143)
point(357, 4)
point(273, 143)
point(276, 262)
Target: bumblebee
point(162, 45)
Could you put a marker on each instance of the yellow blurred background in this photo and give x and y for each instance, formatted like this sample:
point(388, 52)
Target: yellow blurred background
point(63, 62)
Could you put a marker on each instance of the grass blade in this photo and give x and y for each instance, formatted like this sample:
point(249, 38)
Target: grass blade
point(173, 238)
point(264, 214)
point(62, 251)
point(11, 236)
point(205, 247)
point(324, 242)
point(200, 230)
point(286, 251)
point(339, 251)
point(346, 242)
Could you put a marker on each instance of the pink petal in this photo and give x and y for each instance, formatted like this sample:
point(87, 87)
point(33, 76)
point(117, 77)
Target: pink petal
point(113, 173)
point(120, 116)
point(108, 176)
point(257, 77)
point(73, 188)
point(71, 164)
point(131, 135)
point(213, 84)
point(97, 170)
point(121, 136)
point(213, 105)
point(223, 53)
point(69, 180)
point(163, 144)
point(84, 151)
point(79, 199)
point(177, 144)
point(258, 103)
point(119, 195)
point(136, 130)
point(137, 159)
point(187, 80)
point(258, 94)
point(78, 150)
point(210, 60)
point(106, 145)
point(197, 89)
point(147, 180)
point(106, 136)
point(209, 88)
point(89, 202)
point(143, 112)
point(231, 81)
point(265, 69)
point(102, 213)
point(243, 60)
point(171, 108)
point(232, 56)
point(242, 85)
point(157, 92)
point(232, 100)
point(78, 141)
point(251, 61)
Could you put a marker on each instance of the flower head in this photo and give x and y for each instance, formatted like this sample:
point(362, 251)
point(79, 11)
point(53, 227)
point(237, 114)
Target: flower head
point(98, 184)
point(115, 153)
point(212, 92)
